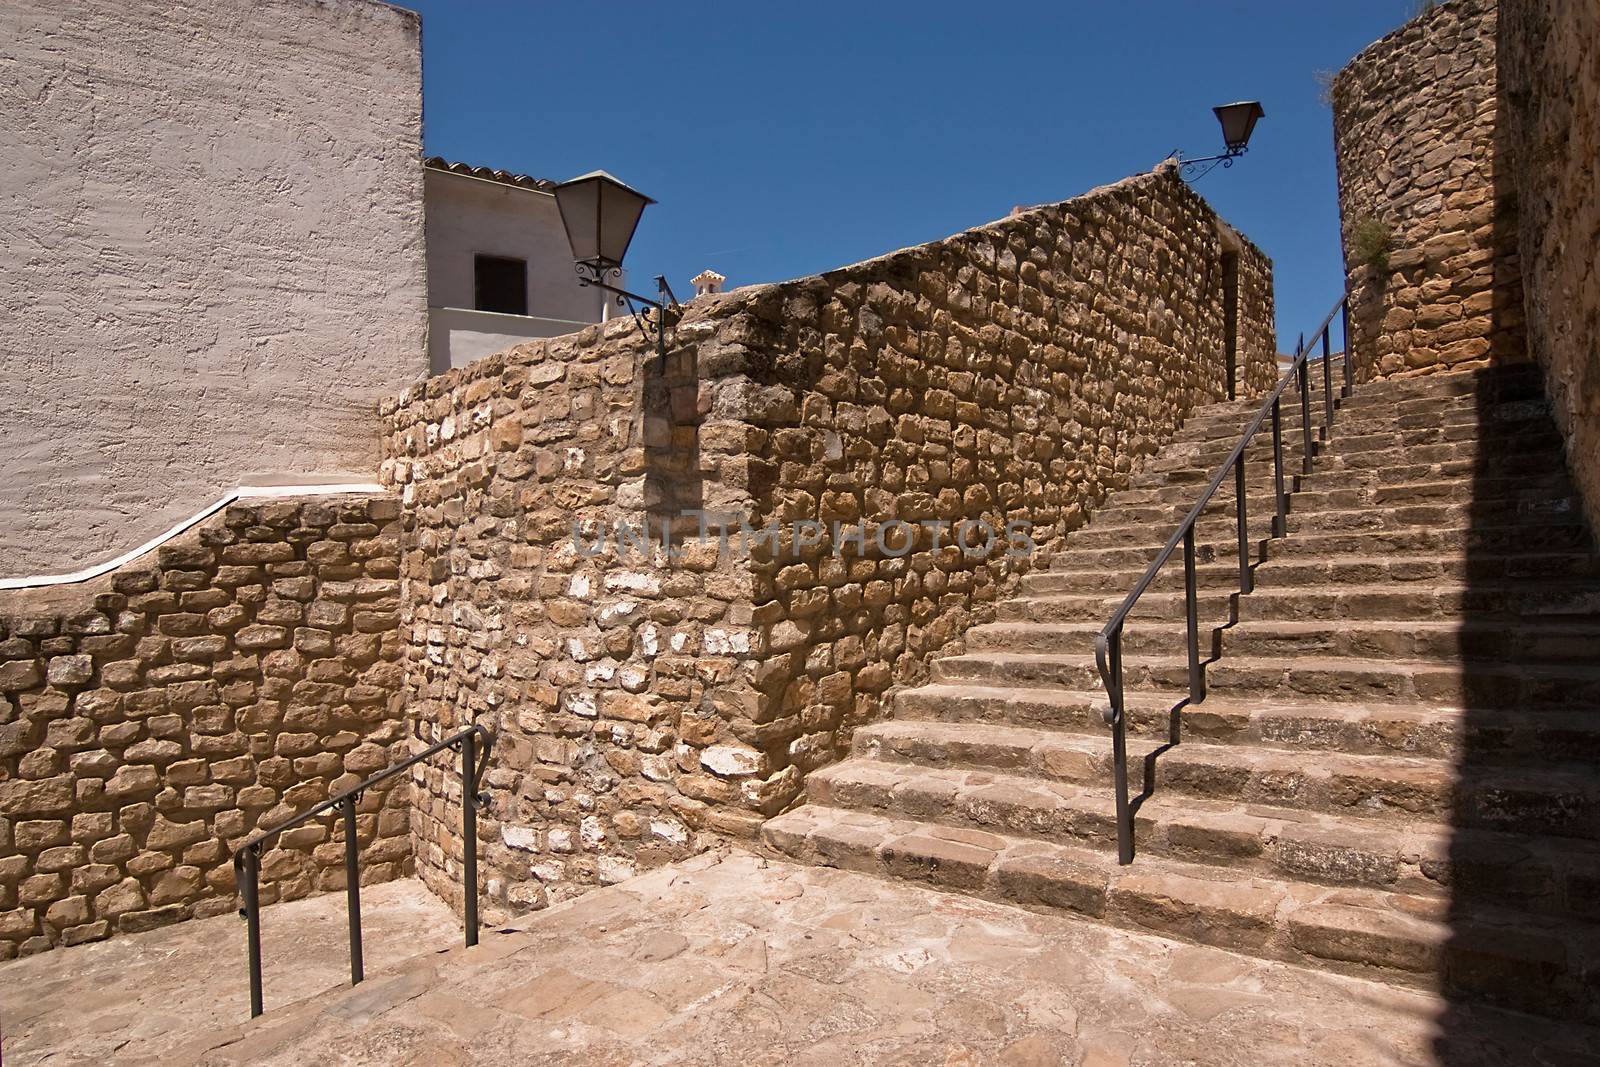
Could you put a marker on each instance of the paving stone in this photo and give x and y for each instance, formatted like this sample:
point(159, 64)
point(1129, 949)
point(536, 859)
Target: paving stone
point(169, 995)
point(916, 972)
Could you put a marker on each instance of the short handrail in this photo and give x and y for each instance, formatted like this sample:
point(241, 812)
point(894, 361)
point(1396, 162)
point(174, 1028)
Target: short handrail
point(247, 857)
point(1108, 642)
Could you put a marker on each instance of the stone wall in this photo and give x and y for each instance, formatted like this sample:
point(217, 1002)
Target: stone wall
point(1551, 83)
point(151, 720)
point(654, 703)
point(1258, 317)
point(587, 668)
point(211, 225)
point(1016, 373)
point(1429, 223)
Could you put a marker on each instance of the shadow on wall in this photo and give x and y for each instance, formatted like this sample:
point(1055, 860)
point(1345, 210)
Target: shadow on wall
point(674, 487)
point(1523, 867)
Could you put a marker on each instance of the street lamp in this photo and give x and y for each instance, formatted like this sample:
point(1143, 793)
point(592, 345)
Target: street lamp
point(600, 214)
point(1238, 122)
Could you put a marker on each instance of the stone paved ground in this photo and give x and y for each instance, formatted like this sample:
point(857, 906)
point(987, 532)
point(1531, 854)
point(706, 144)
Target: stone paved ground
point(739, 960)
point(135, 999)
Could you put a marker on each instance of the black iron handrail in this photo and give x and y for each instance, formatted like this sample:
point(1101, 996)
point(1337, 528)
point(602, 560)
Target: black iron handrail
point(247, 857)
point(1108, 642)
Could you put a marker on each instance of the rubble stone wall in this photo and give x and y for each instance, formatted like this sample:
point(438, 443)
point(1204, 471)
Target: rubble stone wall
point(652, 703)
point(1551, 82)
point(151, 720)
point(1428, 218)
point(591, 666)
point(1014, 374)
point(1257, 322)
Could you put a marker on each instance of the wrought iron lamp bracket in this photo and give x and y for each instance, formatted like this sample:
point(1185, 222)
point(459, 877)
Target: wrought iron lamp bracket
point(667, 307)
point(1187, 168)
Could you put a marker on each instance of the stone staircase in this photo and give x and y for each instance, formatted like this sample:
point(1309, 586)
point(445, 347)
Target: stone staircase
point(1394, 773)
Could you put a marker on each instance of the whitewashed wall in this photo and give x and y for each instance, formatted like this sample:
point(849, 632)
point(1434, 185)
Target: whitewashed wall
point(211, 257)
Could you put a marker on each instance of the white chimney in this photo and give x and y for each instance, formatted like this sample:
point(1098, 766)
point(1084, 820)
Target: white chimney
point(707, 282)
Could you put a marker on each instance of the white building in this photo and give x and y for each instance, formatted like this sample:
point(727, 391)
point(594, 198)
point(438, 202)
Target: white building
point(499, 267)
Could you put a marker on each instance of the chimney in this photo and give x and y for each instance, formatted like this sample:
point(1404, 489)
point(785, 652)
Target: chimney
point(707, 282)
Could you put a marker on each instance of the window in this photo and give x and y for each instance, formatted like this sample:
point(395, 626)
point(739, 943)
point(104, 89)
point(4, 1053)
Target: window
point(1230, 318)
point(500, 284)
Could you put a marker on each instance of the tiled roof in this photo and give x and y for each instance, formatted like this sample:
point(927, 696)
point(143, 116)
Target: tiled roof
point(505, 177)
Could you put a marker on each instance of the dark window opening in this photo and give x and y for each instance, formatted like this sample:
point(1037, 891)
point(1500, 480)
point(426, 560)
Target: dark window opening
point(1230, 318)
point(500, 283)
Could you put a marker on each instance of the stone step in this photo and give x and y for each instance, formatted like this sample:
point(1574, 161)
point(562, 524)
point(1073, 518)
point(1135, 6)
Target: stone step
point(1577, 601)
point(1118, 580)
point(1562, 802)
point(1523, 379)
point(1417, 464)
point(1511, 957)
point(1340, 571)
point(1391, 466)
point(1127, 528)
point(1382, 398)
point(1546, 874)
point(1316, 490)
point(1500, 384)
point(1502, 735)
point(1473, 571)
point(1227, 421)
point(1460, 543)
point(1534, 433)
point(1562, 533)
point(1430, 503)
point(1376, 405)
point(1330, 678)
point(1484, 381)
point(1470, 642)
point(1458, 422)
point(1541, 449)
point(1513, 499)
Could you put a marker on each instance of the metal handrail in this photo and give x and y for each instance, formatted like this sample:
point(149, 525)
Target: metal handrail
point(1108, 642)
point(247, 857)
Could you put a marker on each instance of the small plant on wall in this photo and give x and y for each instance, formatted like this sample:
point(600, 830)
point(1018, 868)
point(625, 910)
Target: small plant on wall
point(1324, 80)
point(1370, 240)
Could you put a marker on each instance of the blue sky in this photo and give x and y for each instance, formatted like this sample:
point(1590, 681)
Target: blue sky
point(784, 139)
